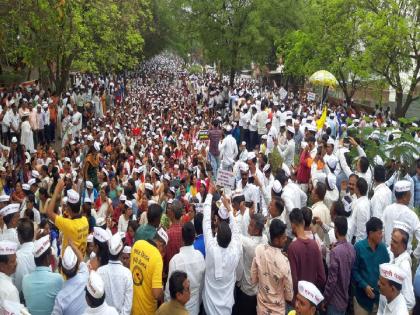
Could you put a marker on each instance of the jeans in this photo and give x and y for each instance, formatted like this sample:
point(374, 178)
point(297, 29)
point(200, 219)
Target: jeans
point(332, 310)
point(215, 164)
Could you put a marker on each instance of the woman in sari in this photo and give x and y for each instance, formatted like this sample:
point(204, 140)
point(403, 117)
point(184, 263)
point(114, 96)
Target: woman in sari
point(90, 167)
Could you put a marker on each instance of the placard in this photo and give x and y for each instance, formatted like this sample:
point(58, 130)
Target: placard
point(203, 135)
point(283, 93)
point(225, 179)
point(311, 96)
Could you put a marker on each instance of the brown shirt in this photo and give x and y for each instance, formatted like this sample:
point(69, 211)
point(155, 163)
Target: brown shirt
point(173, 307)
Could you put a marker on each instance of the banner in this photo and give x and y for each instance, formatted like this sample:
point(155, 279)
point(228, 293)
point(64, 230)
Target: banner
point(225, 179)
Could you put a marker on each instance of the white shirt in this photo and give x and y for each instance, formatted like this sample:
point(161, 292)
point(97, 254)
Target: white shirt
point(287, 151)
point(104, 309)
point(249, 243)
point(192, 262)
point(118, 283)
point(122, 224)
point(400, 212)
point(272, 134)
point(396, 307)
point(320, 210)
point(293, 197)
point(25, 263)
point(10, 235)
point(404, 262)
point(250, 191)
point(331, 196)
point(381, 198)
point(360, 215)
point(8, 290)
point(221, 263)
point(228, 150)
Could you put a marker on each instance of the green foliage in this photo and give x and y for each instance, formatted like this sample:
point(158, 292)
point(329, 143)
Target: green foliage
point(87, 35)
point(195, 69)
point(275, 160)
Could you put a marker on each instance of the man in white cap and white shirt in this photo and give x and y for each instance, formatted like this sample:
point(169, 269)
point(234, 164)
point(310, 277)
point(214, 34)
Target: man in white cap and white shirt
point(390, 282)
point(71, 298)
point(399, 211)
point(8, 291)
point(287, 151)
point(95, 297)
point(10, 215)
point(382, 196)
point(24, 255)
point(308, 298)
point(228, 150)
point(222, 257)
point(41, 286)
point(118, 281)
point(401, 258)
point(192, 262)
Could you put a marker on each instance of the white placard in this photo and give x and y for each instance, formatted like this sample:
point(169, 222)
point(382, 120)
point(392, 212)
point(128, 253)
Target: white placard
point(311, 96)
point(225, 179)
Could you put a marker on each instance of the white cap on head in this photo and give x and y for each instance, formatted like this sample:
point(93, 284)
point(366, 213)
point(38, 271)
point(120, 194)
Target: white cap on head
point(89, 184)
point(392, 272)
point(167, 177)
point(266, 167)
point(89, 138)
point(264, 137)
point(402, 186)
point(244, 167)
point(9, 209)
point(35, 174)
point(127, 250)
point(90, 238)
point(7, 248)
point(69, 258)
point(277, 188)
point(310, 292)
point(243, 143)
point(32, 181)
point(97, 146)
point(26, 187)
point(228, 128)
point(87, 200)
point(402, 226)
point(4, 198)
point(72, 196)
point(148, 186)
point(331, 141)
point(95, 285)
point(332, 161)
point(163, 235)
point(14, 140)
point(223, 213)
point(312, 128)
point(128, 203)
point(123, 198)
point(251, 155)
point(41, 246)
point(331, 179)
point(115, 244)
point(101, 235)
point(291, 129)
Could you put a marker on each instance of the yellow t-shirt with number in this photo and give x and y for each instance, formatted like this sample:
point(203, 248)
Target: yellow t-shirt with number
point(75, 229)
point(146, 266)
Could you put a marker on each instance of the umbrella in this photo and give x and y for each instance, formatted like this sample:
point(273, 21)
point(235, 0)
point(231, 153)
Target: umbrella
point(323, 78)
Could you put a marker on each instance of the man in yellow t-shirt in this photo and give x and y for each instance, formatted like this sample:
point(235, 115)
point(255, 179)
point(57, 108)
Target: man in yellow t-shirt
point(146, 265)
point(74, 227)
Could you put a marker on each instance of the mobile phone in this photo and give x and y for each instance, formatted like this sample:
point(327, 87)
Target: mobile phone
point(251, 179)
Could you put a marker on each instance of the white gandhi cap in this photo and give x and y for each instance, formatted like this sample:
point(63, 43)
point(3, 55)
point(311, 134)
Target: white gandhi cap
point(69, 258)
point(310, 292)
point(41, 246)
point(7, 248)
point(95, 285)
point(392, 272)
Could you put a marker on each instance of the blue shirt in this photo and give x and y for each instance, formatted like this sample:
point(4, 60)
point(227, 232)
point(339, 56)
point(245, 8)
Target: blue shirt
point(417, 282)
point(71, 298)
point(40, 288)
point(199, 244)
point(365, 271)
point(416, 180)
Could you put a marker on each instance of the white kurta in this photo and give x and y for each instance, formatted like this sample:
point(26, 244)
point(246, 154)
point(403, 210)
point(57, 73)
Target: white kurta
point(396, 306)
point(27, 136)
point(118, 286)
point(382, 198)
point(104, 309)
point(25, 263)
point(402, 213)
point(192, 262)
point(360, 215)
point(8, 290)
point(221, 263)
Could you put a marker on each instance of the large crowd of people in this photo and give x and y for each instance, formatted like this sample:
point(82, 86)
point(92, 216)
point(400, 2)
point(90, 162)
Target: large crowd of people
point(165, 192)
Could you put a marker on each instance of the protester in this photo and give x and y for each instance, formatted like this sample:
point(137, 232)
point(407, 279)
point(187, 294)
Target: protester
point(160, 170)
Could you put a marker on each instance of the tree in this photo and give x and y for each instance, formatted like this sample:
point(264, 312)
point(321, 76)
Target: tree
point(391, 32)
point(330, 39)
point(89, 35)
point(236, 32)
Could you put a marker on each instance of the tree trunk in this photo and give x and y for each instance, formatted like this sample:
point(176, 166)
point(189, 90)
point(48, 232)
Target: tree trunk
point(232, 77)
point(399, 110)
